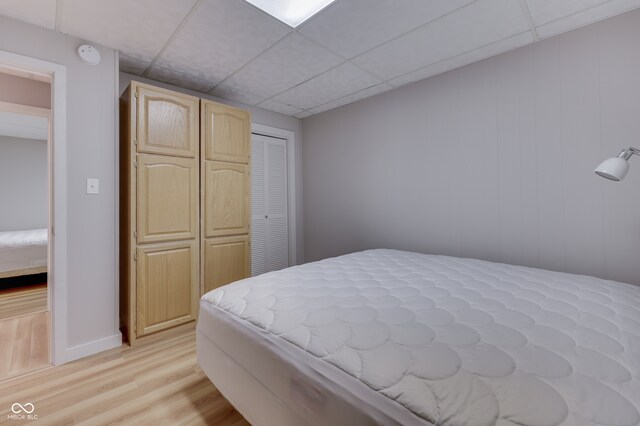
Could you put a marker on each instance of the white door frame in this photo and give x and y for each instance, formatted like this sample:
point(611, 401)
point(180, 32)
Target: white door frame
point(290, 137)
point(57, 262)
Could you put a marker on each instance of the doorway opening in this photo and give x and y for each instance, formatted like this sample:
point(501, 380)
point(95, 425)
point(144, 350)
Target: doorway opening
point(25, 221)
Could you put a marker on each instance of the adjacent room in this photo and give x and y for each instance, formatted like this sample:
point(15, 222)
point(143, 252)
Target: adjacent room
point(320, 212)
point(24, 222)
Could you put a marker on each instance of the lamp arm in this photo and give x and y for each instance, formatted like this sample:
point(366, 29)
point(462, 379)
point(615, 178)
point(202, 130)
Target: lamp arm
point(628, 152)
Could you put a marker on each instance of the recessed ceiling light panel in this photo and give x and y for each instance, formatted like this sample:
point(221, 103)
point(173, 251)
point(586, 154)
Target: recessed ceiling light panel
point(291, 12)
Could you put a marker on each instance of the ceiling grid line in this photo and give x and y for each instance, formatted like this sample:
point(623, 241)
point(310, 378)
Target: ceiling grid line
point(252, 60)
point(527, 16)
point(273, 46)
point(415, 29)
point(453, 58)
point(172, 36)
point(334, 52)
point(300, 84)
point(349, 50)
point(347, 95)
point(325, 10)
point(58, 18)
point(634, 6)
point(317, 75)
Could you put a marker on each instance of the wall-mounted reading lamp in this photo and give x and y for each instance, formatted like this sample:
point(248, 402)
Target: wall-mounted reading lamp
point(616, 168)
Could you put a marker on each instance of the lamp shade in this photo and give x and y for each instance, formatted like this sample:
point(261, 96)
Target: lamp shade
point(613, 168)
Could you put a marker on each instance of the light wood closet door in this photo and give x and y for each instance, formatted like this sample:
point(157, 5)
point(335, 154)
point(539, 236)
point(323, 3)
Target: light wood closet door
point(167, 287)
point(167, 122)
point(226, 133)
point(226, 207)
point(227, 259)
point(167, 198)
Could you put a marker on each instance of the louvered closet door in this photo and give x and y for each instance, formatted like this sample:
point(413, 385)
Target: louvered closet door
point(269, 224)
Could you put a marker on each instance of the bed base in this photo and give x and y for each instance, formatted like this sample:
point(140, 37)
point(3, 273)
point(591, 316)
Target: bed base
point(252, 399)
point(25, 271)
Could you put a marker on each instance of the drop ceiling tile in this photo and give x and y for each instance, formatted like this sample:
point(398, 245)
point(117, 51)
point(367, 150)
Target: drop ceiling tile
point(178, 79)
point(476, 25)
point(586, 17)
point(220, 37)
point(288, 63)
point(303, 114)
point(366, 93)
point(132, 64)
point(543, 11)
point(138, 28)
point(475, 55)
point(338, 82)
point(232, 94)
point(37, 12)
point(351, 27)
point(280, 107)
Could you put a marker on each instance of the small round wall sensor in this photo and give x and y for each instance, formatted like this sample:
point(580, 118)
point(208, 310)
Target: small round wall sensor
point(89, 54)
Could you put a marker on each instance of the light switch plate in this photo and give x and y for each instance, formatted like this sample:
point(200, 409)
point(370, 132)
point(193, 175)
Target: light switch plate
point(93, 186)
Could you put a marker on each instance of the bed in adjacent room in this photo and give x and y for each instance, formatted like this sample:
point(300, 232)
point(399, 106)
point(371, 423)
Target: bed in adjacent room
point(23, 252)
point(392, 337)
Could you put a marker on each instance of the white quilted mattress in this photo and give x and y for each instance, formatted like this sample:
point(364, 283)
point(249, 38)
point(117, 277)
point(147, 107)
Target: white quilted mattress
point(23, 249)
point(30, 237)
point(457, 341)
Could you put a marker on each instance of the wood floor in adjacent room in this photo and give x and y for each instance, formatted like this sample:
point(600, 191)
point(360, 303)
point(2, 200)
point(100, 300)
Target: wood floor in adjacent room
point(24, 344)
point(158, 383)
point(22, 300)
point(24, 329)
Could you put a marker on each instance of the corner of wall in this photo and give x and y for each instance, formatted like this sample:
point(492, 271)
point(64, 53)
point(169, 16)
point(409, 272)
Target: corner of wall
point(94, 347)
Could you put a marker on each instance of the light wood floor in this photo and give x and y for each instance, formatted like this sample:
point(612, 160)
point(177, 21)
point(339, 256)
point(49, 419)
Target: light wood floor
point(24, 344)
point(23, 300)
point(158, 383)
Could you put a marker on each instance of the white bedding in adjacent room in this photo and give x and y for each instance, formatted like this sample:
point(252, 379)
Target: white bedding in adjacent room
point(23, 249)
point(30, 237)
point(434, 339)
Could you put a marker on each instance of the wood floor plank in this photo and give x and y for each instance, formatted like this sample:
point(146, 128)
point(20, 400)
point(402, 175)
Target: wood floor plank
point(25, 344)
point(23, 301)
point(39, 340)
point(20, 355)
point(158, 383)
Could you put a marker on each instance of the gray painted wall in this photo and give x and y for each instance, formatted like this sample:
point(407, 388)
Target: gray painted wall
point(492, 161)
point(23, 184)
point(259, 116)
point(91, 137)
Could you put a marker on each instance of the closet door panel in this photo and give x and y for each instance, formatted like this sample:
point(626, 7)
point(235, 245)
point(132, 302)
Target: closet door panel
point(167, 195)
point(166, 285)
point(226, 133)
point(167, 122)
point(277, 242)
point(226, 200)
point(258, 246)
point(227, 259)
point(269, 216)
point(258, 179)
point(258, 208)
point(276, 171)
point(277, 235)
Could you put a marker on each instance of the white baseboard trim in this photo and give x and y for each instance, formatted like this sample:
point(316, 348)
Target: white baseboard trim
point(94, 347)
